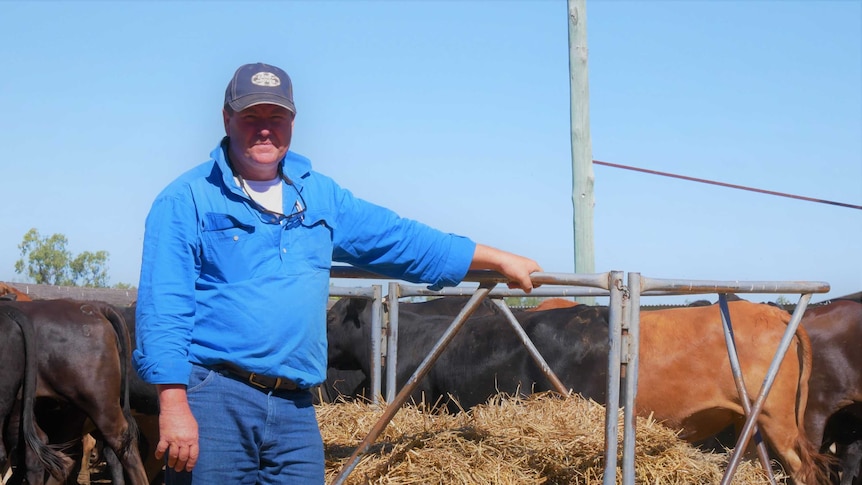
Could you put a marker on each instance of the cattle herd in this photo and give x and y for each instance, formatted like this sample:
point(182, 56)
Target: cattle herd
point(65, 373)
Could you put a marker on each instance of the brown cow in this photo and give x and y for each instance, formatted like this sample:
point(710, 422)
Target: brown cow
point(552, 303)
point(835, 391)
point(685, 380)
point(144, 404)
point(82, 361)
point(8, 292)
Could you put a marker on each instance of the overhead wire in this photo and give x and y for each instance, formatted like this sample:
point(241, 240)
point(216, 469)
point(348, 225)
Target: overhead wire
point(724, 184)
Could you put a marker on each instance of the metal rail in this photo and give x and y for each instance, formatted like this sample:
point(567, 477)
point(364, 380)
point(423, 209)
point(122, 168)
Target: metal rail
point(608, 284)
point(736, 370)
point(411, 384)
point(751, 420)
point(623, 340)
point(641, 285)
point(375, 294)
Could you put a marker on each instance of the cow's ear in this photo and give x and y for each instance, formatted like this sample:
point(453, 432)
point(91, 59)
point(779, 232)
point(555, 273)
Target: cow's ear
point(355, 307)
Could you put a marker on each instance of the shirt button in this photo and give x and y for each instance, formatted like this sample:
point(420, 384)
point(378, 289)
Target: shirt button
point(236, 238)
point(284, 250)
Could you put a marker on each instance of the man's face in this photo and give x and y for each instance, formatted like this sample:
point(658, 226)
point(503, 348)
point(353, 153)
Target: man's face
point(259, 138)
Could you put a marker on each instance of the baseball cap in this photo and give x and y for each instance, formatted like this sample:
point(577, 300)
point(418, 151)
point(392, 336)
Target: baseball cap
point(259, 83)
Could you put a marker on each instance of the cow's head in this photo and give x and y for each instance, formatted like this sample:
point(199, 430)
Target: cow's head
point(348, 329)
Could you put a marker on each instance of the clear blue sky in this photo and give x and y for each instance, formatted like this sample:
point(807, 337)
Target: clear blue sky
point(457, 114)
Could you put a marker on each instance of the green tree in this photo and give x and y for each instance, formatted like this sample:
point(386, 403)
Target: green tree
point(49, 262)
point(90, 269)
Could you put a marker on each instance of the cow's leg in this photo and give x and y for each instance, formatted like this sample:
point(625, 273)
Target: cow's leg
point(11, 379)
point(36, 473)
point(843, 438)
point(148, 438)
point(63, 425)
point(799, 456)
point(118, 434)
point(850, 463)
point(5, 457)
point(74, 449)
point(115, 467)
point(88, 445)
point(14, 474)
point(816, 423)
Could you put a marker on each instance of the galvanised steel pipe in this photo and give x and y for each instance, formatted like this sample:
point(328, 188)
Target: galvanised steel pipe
point(751, 420)
point(393, 407)
point(631, 349)
point(531, 348)
point(392, 341)
point(612, 405)
point(736, 370)
point(684, 287)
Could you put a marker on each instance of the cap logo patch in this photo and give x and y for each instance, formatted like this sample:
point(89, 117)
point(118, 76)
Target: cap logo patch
point(266, 79)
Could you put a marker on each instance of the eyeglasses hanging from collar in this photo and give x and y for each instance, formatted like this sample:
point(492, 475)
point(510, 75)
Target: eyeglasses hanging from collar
point(298, 207)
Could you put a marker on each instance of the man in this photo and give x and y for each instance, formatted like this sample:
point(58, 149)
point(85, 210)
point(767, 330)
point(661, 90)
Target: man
point(231, 311)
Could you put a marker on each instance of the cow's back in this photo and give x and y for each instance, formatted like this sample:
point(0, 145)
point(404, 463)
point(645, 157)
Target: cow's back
point(74, 337)
point(449, 306)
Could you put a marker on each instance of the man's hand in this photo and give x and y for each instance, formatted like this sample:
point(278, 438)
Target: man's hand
point(178, 429)
point(515, 268)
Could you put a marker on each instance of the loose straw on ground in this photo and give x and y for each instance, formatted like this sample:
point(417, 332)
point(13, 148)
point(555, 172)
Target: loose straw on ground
point(543, 439)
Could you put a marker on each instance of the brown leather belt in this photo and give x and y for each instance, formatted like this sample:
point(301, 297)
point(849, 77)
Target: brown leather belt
point(264, 383)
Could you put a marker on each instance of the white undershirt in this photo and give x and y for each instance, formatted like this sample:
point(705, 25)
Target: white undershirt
point(267, 193)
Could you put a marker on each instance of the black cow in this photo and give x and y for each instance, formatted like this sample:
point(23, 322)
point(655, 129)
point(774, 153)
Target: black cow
point(834, 414)
point(449, 306)
point(486, 357)
point(82, 363)
point(349, 380)
point(343, 384)
point(17, 419)
point(842, 438)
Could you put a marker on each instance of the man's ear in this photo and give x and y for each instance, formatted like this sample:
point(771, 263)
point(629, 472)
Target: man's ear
point(226, 118)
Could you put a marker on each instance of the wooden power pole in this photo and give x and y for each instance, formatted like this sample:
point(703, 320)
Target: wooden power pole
point(582, 149)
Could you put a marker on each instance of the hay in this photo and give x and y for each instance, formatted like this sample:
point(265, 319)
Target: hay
point(543, 439)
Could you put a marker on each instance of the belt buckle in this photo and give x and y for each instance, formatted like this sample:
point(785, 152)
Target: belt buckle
point(261, 385)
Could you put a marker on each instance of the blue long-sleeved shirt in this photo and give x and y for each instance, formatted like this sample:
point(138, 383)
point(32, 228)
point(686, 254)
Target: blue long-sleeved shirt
point(222, 281)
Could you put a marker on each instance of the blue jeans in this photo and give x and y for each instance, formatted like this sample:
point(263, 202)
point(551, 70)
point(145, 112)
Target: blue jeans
point(248, 436)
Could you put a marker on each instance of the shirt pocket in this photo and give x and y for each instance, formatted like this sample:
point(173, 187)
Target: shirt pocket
point(232, 248)
point(309, 244)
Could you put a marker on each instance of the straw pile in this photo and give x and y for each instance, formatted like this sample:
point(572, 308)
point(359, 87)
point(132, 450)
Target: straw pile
point(543, 439)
